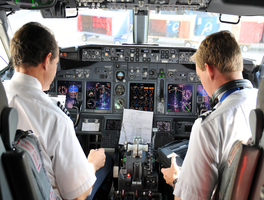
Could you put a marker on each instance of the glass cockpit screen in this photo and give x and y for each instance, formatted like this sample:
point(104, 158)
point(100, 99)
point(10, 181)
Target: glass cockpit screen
point(163, 126)
point(113, 124)
point(201, 91)
point(180, 98)
point(70, 89)
point(98, 95)
point(141, 96)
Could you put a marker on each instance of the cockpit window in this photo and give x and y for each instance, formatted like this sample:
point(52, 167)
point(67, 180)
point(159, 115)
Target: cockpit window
point(166, 28)
point(3, 57)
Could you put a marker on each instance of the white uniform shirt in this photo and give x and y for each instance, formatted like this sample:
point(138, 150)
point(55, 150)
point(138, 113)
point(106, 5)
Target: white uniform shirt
point(210, 142)
point(67, 167)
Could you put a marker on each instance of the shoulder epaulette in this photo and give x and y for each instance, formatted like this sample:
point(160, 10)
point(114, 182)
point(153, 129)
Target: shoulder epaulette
point(206, 114)
point(59, 104)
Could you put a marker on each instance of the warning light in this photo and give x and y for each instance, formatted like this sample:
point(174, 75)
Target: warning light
point(128, 175)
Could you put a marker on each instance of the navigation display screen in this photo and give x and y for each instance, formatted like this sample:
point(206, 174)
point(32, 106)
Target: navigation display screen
point(163, 126)
point(113, 124)
point(70, 89)
point(141, 96)
point(98, 95)
point(206, 103)
point(180, 98)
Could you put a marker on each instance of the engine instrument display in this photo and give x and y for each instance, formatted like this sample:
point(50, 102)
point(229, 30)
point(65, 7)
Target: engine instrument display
point(113, 124)
point(179, 98)
point(163, 126)
point(70, 89)
point(98, 95)
point(141, 96)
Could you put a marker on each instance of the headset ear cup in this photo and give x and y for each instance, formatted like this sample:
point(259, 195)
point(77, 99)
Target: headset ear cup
point(215, 101)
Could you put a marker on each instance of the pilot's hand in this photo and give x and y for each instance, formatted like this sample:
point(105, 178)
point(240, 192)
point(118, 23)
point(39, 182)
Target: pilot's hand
point(97, 158)
point(170, 174)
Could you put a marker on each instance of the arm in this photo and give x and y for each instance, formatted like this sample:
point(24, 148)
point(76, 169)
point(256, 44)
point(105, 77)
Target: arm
point(97, 158)
point(170, 174)
point(84, 195)
point(177, 198)
point(199, 171)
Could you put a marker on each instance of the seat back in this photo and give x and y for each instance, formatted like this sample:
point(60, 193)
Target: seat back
point(243, 175)
point(257, 127)
point(5, 190)
point(21, 160)
point(236, 178)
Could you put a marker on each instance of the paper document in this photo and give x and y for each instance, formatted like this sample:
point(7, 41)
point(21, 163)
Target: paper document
point(136, 123)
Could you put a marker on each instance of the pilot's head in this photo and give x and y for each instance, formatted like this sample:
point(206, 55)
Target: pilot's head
point(219, 51)
point(33, 45)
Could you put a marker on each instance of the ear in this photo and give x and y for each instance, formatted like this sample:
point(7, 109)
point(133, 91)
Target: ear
point(210, 70)
point(46, 61)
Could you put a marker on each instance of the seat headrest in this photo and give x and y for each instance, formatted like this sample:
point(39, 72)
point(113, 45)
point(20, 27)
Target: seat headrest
point(260, 99)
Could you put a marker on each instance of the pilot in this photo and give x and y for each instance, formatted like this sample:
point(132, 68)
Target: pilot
point(35, 55)
point(218, 62)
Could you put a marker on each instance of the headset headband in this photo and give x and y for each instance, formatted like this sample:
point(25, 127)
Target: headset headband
point(240, 83)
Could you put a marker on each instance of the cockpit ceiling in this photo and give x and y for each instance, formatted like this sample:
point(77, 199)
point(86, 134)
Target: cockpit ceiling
point(235, 7)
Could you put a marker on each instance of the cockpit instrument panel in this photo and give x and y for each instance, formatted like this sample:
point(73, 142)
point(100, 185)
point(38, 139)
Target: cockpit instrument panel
point(112, 78)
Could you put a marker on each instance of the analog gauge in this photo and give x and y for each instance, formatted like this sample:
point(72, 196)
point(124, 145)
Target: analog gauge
point(120, 89)
point(119, 104)
point(91, 103)
point(170, 74)
point(152, 72)
point(120, 75)
point(144, 74)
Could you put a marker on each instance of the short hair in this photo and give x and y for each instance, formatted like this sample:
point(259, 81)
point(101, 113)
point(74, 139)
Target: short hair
point(31, 44)
point(221, 50)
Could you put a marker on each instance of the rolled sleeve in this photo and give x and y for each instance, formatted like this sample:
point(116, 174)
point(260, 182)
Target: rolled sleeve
point(87, 178)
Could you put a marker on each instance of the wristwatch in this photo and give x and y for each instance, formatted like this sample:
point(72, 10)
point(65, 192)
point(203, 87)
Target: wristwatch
point(174, 182)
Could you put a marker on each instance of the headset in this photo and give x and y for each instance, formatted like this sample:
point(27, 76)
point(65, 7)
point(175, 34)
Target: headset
point(240, 84)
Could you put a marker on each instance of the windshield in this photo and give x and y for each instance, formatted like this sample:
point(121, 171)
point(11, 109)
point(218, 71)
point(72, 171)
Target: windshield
point(167, 28)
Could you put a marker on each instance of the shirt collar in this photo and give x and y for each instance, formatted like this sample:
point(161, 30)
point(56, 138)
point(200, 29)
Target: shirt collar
point(28, 80)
